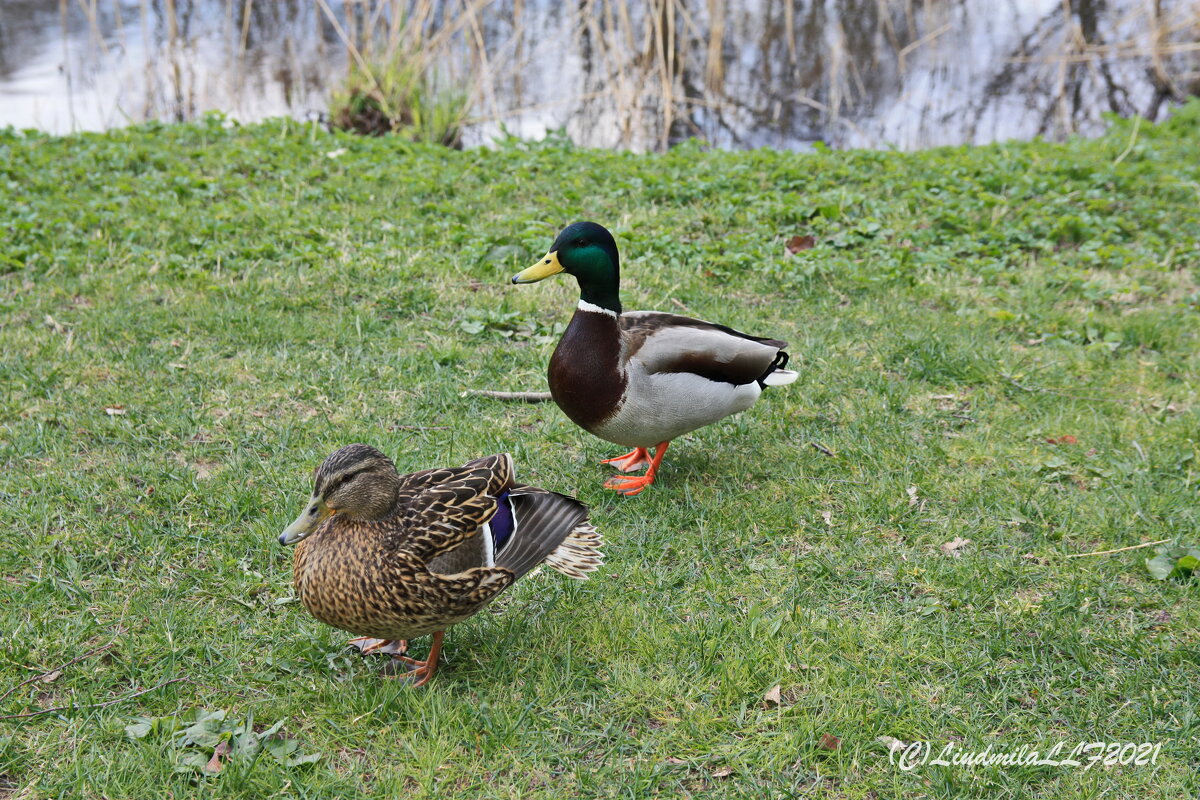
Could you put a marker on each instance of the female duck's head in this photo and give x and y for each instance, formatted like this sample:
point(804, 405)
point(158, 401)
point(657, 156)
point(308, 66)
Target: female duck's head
point(589, 252)
point(357, 481)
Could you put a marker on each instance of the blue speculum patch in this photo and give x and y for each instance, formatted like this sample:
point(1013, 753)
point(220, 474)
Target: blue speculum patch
point(503, 522)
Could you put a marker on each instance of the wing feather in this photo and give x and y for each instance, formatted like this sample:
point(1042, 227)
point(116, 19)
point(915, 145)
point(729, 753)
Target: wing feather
point(665, 343)
point(440, 515)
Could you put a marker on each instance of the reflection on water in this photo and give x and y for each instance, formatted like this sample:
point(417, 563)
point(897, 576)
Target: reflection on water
point(746, 73)
point(90, 64)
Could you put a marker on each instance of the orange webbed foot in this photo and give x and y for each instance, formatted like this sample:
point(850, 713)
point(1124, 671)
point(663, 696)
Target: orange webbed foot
point(422, 671)
point(367, 645)
point(635, 459)
point(628, 485)
point(636, 484)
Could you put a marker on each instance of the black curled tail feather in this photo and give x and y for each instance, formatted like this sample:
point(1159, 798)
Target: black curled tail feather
point(544, 522)
point(780, 362)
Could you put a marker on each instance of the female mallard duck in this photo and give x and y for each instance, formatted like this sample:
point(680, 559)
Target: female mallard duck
point(392, 557)
point(642, 378)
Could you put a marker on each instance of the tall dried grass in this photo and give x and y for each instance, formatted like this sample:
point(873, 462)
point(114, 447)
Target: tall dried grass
point(657, 71)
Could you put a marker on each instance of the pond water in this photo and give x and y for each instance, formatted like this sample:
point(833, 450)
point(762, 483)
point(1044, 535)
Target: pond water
point(617, 73)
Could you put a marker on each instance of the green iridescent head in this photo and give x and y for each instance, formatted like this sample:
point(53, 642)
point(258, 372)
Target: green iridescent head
point(589, 252)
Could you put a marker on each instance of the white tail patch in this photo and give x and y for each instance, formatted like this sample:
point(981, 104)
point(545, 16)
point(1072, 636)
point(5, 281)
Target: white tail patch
point(780, 377)
point(579, 553)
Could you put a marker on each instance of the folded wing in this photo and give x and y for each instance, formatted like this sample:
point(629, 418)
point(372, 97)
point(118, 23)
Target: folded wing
point(665, 343)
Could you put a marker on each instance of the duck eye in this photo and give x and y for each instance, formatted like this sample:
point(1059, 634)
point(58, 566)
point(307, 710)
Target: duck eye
point(312, 510)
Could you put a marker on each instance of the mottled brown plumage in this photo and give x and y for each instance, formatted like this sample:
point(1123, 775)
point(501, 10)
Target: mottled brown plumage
point(394, 557)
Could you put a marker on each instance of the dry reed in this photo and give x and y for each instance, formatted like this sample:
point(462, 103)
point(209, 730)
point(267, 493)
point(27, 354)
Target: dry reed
point(661, 70)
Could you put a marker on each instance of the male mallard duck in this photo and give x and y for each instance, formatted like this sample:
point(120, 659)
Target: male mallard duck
point(642, 378)
point(392, 557)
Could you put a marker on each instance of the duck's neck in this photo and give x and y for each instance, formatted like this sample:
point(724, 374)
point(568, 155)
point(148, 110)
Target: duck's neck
point(601, 295)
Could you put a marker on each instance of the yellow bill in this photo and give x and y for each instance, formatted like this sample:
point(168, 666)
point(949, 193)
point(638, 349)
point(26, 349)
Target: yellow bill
point(540, 271)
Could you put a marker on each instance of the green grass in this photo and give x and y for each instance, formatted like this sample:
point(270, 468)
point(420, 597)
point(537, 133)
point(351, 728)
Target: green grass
point(254, 300)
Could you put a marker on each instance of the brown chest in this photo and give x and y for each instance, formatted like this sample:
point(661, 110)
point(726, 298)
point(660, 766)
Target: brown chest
point(358, 590)
point(585, 376)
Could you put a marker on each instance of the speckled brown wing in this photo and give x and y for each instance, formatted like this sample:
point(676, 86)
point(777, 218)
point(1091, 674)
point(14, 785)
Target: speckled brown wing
point(442, 515)
point(414, 483)
point(472, 552)
point(464, 593)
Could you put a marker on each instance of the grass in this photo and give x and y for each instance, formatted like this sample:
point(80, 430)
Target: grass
point(252, 298)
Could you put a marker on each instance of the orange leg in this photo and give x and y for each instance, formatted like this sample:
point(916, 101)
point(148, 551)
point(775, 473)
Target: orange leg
point(635, 459)
point(629, 486)
point(423, 670)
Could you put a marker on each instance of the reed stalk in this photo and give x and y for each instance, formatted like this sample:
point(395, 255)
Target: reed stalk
point(654, 71)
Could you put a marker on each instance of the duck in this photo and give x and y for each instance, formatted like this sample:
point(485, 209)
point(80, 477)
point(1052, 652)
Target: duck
point(390, 557)
point(641, 379)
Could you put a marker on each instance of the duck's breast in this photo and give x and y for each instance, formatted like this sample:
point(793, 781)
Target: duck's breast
point(348, 582)
point(585, 375)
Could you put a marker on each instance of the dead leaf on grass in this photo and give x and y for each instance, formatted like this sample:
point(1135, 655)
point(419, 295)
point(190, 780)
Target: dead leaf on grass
point(953, 547)
point(1066, 439)
point(723, 772)
point(772, 698)
point(912, 495)
point(830, 742)
point(115, 410)
point(798, 244)
point(215, 764)
point(891, 743)
point(828, 517)
point(51, 677)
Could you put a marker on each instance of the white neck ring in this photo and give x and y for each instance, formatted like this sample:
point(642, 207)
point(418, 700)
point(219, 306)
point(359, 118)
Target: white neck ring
point(584, 305)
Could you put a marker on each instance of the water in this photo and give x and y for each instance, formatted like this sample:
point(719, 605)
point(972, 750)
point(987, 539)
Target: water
point(615, 73)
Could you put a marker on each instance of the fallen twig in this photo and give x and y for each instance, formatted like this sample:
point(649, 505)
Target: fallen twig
point(1118, 550)
point(522, 397)
point(41, 675)
point(827, 480)
point(823, 449)
point(1022, 387)
point(421, 427)
point(94, 705)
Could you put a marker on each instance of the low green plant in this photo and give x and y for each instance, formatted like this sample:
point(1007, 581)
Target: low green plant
point(1174, 561)
point(399, 96)
point(208, 740)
